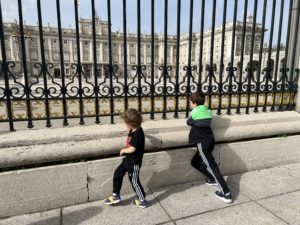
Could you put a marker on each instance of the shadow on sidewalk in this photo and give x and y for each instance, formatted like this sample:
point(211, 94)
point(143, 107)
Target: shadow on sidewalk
point(74, 218)
point(175, 166)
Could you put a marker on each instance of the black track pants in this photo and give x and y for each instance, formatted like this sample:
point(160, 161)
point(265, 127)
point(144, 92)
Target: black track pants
point(204, 161)
point(133, 171)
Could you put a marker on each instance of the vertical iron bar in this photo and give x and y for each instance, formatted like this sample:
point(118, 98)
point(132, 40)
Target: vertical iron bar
point(277, 54)
point(250, 68)
point(27, 88)
point(238, 110)
point(5, 69)
point(258, 74)
point(79, 70)
point(292, 71)
point(284, 69)
point(48, 123)
point(200, 69)
point(61, 52)
point(220, 87)
point(231, 67)
point(96, 89)
point(139, 67)
point(152, 59)
point(177, 57)
point(111, 90)
point(189, 67)
point(269, 69)
point(212, 42)
point(125, 53)
point(165, 70)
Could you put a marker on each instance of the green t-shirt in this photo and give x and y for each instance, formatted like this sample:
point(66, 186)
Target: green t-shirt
point(201, 112)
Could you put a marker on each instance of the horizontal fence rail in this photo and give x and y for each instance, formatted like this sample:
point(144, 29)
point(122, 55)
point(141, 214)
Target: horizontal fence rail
point(236, 65)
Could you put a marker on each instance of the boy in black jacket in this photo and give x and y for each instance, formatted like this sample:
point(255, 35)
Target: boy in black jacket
point(202, 136)
point(132, 162)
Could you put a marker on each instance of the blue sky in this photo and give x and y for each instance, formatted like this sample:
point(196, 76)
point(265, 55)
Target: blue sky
point(10, 13)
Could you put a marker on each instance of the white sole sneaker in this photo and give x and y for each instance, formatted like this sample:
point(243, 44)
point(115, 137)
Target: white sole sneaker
point(227, 200)
point(210, 184)
point(112, 203)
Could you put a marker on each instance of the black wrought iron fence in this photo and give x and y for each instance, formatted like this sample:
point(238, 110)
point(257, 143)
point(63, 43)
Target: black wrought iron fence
point(250, 74)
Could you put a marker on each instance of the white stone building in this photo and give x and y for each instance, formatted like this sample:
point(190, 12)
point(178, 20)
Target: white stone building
point(52, 50)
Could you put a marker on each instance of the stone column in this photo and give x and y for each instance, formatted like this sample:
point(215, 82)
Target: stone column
point(145, 54)
point(81, 51)
point(120, 53)
point(39, 50)
point(28, 57)
point(101, 53)
point(12, 49)
point(171, 54)
point(91, 52)
point(50, 50)
point(91, 55)
point(292, 47)
point(71, 51)
point(161, 53)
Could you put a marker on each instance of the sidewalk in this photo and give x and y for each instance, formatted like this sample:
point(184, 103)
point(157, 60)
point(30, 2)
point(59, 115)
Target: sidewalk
point(270, 196)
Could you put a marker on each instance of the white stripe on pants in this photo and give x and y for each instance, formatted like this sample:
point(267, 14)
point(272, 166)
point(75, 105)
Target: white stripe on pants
point(135, 182)
point(202, 155)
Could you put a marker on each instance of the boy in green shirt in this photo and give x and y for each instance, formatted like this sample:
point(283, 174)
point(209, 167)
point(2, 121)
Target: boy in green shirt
point(202, 136)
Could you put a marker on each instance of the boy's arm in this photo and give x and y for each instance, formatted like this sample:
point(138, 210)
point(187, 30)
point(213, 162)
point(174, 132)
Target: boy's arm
point(190, 121)
point(127, 150)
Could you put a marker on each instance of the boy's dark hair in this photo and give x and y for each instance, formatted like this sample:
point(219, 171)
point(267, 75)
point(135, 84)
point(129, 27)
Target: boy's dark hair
point(133, 118)
point(198, 98)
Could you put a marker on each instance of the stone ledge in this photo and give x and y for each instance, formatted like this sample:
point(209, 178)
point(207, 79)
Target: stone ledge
point(49, 187)
point(50, 145)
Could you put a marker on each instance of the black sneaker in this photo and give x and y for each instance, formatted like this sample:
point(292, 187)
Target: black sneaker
point(141, 204)
point(210, 182)
point(113, 199)
point(224, 197)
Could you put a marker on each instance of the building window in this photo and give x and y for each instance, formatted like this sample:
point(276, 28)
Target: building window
point(65, 42)
point(54, 41)
point(67, 57)
point(98, 71)
point(116, 58)
point(56, 56)
point(68, 71)
point(86, 43)
point(132, 59)
point(88, 73)
point(34, 55)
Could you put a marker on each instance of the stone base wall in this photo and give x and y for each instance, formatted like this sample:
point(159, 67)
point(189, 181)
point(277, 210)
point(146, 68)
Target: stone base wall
point(166, 162)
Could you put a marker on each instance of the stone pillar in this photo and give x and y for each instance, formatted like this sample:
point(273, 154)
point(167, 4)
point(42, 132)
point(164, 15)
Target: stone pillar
point(12, 49)
point(71, 51)
point(171, 54)
point(39, 49)
point(81, 51)
point(91, 57)
point(50, 50)
point(161, 53)
point(91, 52)
point(120, 53)
point(292, 47)
point(101, 52)
point(297, 100)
